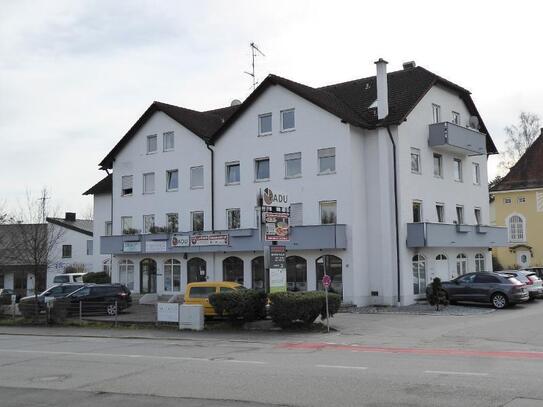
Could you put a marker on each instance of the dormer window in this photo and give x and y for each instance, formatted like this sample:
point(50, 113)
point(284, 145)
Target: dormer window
point(265, 124)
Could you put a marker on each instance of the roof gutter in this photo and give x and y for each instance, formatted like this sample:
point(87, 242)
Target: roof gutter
point(396, 210)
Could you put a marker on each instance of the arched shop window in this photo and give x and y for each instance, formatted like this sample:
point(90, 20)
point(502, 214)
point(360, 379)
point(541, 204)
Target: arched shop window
point(232, 269)
point(126, 273)
point(419, 274)
point(461, 264)
point(257, 273)
point(333, 267)
point(172, 275)
point(196, 270)
point(296, 273)
point(479, 262)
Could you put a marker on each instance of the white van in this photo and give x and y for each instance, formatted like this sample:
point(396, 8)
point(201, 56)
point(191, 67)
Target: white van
point(69, 278)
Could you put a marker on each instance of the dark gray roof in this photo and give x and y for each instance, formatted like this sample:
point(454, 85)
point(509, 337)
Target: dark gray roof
point(527, 173)
point(104, 186)
point(350, 101)
point(13, 235)
point(79, 225)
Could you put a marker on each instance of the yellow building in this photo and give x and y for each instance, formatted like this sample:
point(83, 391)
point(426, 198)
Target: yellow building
point(517, 203)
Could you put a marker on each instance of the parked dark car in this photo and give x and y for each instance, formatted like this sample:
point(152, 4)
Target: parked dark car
point(99, 299)
point(27, 305)
point(5, 296)
point(500, 290)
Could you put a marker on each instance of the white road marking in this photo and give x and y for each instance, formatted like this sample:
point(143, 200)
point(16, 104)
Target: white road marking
point(342, 367)
point(253, 362)
point(442, 372)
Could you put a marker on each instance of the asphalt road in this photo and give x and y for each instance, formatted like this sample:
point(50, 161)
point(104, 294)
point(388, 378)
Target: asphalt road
point(302, 370)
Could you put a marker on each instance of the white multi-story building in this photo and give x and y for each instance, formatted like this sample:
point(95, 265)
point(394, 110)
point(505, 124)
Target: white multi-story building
point(386, 178)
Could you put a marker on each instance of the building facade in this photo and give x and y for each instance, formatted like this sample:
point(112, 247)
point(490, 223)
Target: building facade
point(386, 182)
point(517, 204)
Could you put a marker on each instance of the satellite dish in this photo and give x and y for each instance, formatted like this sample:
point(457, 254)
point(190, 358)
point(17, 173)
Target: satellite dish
point(235, 102)
point(474, 122)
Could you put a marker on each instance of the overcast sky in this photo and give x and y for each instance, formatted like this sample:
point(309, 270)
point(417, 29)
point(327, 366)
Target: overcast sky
point(75, 75)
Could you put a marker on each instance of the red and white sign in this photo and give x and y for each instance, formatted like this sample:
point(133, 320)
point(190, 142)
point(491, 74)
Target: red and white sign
point(277, 227)
point(209, 240)
point(326, 281)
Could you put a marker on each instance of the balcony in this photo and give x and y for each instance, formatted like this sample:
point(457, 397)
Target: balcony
point(311, 237)
point(453, 235)
point(452, 138)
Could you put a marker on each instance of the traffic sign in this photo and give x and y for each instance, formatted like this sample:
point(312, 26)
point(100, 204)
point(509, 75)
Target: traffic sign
point(326, 281)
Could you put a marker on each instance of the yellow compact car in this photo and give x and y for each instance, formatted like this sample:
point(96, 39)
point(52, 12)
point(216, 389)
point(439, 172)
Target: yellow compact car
point(198, 293)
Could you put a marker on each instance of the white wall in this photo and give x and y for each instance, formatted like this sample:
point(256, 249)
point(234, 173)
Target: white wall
point(189, 151)
point(102, 214)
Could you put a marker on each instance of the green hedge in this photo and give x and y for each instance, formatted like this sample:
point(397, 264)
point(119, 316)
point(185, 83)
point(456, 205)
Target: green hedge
point(100, 277)
point(240, 305)
point(288, 308)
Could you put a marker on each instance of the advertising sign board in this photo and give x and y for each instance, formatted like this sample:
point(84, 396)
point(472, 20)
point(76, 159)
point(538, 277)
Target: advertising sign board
point(209, 240)
point(179, 240)
point(274, 198)
point(154, 246)
point(131, 247)
point(276, 226)
point(278, 269)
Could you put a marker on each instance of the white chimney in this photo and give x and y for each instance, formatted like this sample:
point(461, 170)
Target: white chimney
point(382, 89)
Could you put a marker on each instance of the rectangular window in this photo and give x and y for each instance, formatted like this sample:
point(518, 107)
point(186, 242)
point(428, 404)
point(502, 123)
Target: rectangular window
point(440, 212)
point(458, 169)
point(456, 118)
point(232, 173)
point(126, 224)
point(234, 218)
point(108, 229)
point(168, 141)
point(126, 185)
point(438, 165)
point(293, 165)
point(265, 124)
point(197, 177)
point(152, 144)
point(262, 169)
point(415, 161)
point(149, 183)
point(507, 201)
point(460, 214)
point(66, 251)
point(148, 223)
point(327, 160)
point(197, 221)
point(287, 120)
point(328, 211)
point(89, 247)
point(172, 180)
point(436, 113)
point(296, 214)
point(172, 220)
point(476, 174)
point(477, 213)
point(521, 199)
point(417, 211)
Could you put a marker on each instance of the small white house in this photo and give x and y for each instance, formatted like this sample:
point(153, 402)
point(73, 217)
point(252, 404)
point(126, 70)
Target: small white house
point(386, 178)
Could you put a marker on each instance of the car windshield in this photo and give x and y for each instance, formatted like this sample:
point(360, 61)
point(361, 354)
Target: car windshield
point(61, 279)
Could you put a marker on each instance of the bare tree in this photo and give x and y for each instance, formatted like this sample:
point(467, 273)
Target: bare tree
point(519, 138)
point(32, 241)
point(88, 213)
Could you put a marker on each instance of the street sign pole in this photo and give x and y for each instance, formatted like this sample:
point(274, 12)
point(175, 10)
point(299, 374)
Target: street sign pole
point(327, 311)
point(326, 282)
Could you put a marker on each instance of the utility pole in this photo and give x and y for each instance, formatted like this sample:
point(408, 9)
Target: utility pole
point(254, 53)
point(43, 201)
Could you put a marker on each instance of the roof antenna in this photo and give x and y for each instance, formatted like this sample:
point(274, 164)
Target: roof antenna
point(254, 52)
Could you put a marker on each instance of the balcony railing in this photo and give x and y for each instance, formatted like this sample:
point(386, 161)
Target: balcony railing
point(452, 138)
point(453, 235)
point(310, 237)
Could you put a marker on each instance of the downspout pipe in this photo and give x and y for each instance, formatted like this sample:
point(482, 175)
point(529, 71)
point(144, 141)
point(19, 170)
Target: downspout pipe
point(396, 210)
point(212, 186)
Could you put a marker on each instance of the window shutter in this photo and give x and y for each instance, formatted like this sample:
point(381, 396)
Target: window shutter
point(327, 152)
point(127, 182)
point(296, 214)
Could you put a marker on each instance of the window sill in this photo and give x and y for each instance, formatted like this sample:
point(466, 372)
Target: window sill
point(294, 177)
point(231, 184)
point(198, 187)
point(172, 190)
point(438, 176)
point(148, 193)
point(151, 152)
point(169, 149)
point(459, 181)
point(124, 196)
point(264, 134)
point(287, 130)
point(326, 173)
point(416, 173)
point(261, 180)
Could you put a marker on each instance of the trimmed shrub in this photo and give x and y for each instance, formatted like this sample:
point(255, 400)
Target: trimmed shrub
point(436, 295)
point(288, 308)
point(100, 277)
point(240, 305)
point(59, 311)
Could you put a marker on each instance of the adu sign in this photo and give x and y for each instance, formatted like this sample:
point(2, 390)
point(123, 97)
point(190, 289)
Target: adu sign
point(274, 198)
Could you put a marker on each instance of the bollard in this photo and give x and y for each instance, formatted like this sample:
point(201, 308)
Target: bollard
point(80, 312)
point(13, 304)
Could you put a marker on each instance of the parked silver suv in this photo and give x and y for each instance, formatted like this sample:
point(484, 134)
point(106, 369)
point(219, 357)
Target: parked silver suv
point(498, 289)
point(532, 281)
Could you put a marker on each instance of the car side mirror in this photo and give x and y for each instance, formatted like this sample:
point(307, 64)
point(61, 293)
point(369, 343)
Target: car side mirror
point(456, 282)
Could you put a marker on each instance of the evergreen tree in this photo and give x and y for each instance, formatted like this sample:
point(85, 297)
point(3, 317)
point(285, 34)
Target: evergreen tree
point(437, 294)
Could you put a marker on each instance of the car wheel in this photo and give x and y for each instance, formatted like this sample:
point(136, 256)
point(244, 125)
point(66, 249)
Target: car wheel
point(111, 309)
point(499, 301)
